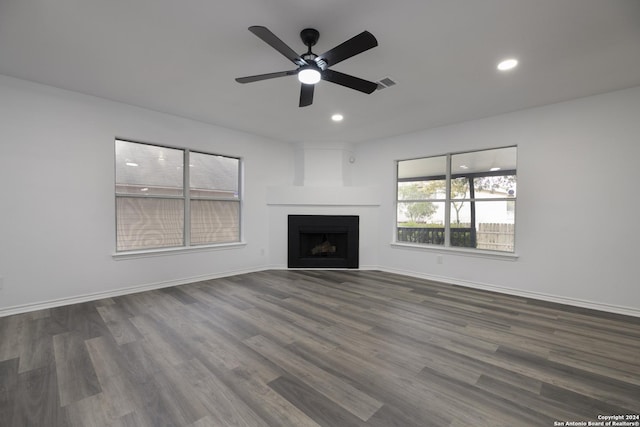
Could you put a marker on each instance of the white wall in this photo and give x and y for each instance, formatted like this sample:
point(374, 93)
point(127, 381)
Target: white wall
point(57, 227)
point(580, 158)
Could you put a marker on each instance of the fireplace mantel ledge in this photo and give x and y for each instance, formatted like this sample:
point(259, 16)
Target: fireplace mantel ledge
point(323, 195)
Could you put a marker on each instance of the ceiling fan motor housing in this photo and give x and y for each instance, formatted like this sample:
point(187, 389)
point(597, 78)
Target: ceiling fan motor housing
point(309, 37)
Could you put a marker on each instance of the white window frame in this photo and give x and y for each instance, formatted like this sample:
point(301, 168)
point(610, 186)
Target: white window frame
point(446, 247)
point(186, 197)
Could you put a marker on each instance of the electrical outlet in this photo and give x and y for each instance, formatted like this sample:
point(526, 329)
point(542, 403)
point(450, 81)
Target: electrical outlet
point(438, 259)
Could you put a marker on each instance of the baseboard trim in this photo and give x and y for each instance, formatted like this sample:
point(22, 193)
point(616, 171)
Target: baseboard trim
point(59, 302)
point(610, 308)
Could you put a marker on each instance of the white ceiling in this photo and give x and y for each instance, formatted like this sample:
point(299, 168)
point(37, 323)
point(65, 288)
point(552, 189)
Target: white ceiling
point(181, 57)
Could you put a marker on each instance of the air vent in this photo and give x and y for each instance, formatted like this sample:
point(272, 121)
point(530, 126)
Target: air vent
point(385, 83)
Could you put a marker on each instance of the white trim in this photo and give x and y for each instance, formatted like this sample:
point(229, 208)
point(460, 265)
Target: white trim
point(59, 302)
point(506, 256)
point(176, 251)
point(610, 308)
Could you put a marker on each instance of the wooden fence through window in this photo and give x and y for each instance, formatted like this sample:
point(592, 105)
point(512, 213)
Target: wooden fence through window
point(495, 237)
point(489, 236)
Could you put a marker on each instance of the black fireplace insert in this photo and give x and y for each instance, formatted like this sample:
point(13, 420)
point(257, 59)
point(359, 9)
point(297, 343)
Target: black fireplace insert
point(323, 241)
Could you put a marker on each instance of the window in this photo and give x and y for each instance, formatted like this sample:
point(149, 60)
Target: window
point(459, 200)
point(160, 203)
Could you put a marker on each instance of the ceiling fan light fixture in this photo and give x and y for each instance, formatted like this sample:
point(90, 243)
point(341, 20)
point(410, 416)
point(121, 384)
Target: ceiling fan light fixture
point(507, 64)
point(309, 76)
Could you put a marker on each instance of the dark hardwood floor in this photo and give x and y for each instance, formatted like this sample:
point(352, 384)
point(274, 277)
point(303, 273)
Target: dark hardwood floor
point(317, 348)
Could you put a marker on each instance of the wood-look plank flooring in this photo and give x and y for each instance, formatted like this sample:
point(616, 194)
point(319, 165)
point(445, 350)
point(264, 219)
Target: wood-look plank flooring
point(317, 348)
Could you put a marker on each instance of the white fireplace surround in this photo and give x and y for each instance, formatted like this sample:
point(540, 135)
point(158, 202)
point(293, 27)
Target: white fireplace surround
point(322, 177)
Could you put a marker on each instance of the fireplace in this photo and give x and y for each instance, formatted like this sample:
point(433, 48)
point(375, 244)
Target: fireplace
point(323, 241)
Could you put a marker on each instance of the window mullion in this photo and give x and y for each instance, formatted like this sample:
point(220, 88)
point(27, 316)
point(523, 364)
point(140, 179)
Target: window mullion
point(151, 196)
point(187, 200)
point(447, 203)
point(419, 200)
point(472, 207)
point(397, 203)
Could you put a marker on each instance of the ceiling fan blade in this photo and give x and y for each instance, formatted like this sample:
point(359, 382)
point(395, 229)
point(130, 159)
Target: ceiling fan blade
point(259, 77)
point(355, 45)
point(349, 81)
point(272, 40)
point(306, 95)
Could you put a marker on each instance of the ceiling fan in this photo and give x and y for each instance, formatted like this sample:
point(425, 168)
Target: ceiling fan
point(311, 67)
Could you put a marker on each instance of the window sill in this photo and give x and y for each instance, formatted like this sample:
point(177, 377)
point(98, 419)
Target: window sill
point(478, 253)
point(175, 251)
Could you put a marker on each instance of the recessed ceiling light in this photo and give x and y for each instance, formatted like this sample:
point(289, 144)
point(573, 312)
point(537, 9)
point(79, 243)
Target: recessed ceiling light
point(131, 164)
point(494, 169)
point(144, 189)
point(464, 167)
point(508, 64)
point(337, 117)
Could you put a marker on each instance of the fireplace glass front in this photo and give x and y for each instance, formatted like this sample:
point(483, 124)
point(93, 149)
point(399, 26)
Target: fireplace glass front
point(323, 241)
